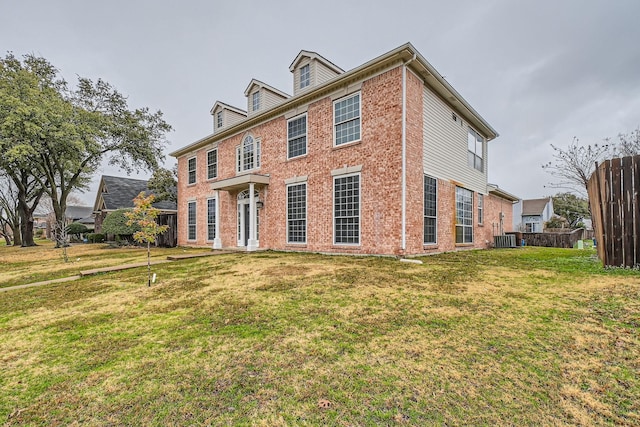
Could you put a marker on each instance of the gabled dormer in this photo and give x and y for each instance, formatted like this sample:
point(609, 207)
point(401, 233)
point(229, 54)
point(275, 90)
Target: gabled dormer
point(310, 69)
point(261, 97)
point(225, 116)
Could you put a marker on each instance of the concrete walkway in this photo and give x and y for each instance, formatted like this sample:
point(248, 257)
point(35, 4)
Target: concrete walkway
point(84, 273)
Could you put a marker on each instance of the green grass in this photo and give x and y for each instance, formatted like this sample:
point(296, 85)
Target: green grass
point(532, 336)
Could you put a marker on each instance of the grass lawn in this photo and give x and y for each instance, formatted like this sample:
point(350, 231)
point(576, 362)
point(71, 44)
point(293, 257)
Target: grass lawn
point(531, 336)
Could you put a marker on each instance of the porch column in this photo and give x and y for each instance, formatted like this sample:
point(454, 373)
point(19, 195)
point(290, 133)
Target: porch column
point(252, 243)
point(217, 241)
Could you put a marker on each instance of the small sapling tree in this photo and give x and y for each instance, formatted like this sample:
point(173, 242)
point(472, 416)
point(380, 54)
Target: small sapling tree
point(144, 216)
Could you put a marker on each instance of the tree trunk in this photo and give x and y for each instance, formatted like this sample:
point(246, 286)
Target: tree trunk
point(26, 223)
point(17, 237)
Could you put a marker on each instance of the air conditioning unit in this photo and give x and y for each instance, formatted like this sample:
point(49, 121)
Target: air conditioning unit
point(505, 241)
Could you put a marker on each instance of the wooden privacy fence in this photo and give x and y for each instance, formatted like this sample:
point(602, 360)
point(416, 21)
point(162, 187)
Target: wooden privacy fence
point(566, 239)
point(614, 201)
point(169, 238)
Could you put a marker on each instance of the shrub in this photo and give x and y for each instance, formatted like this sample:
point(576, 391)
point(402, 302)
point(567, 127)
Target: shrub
point(95, 237)
point(116, 224)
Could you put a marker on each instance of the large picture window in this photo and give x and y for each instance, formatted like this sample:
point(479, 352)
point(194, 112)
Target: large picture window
point(297, 137)
point(346, 208)
point(191, 166)
point(475, 146)
point(346, 119)
point(248, 154)
point(211, 219)
point(297, 213)
point(430, 210)
point(191, 221)
point(464, 215)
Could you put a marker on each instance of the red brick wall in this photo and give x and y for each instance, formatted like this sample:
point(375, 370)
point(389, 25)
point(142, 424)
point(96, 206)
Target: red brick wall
point(379, 153)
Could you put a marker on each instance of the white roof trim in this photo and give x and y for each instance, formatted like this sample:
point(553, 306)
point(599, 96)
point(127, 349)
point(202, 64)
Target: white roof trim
point(313, 55)
point(256, 82)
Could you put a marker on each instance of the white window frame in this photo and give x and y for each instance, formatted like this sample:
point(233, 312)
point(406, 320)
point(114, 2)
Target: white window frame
point(195, 220)
point(189, 170)
point(241, 165)
point(475, 145)
point(433, 217)
point(464, 205)
point(214, 164)
point(289, 219)
point(255, 101)
point(219, 119)
point(305, 76)
point(289, 138)
point(209, 217)
point(480, 204)
point(336, 178)
point(356, 118)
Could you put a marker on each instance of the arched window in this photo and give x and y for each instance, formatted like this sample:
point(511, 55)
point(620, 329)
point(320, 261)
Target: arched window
point(248, 154)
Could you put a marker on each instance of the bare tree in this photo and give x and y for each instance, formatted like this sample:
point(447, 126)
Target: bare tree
point(9, 214)
point(629, 144)
point(575, 164)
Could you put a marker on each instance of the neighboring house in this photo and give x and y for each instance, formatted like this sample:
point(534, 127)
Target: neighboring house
point(117, 193)
point(386, 158)
point(81, 214)
point(530, 215)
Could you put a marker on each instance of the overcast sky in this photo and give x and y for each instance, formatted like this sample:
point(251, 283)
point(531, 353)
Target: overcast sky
point(540, 71)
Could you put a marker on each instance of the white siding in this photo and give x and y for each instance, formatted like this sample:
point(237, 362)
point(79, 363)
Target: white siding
point(270, 99)
point(229, 118)
point(232, 118)
point(296, 76)
point(322, 73)
point(445, 145)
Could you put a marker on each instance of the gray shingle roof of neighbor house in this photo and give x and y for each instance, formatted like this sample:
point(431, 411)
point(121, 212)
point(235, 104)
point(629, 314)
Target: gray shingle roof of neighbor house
point(78, 212)
point(534, 206)
point(119, 192)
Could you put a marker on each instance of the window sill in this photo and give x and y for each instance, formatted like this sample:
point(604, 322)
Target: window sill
point(301, 156)
point(464, 245)
point(346, 144)
point(192, 184)
point(430, 246)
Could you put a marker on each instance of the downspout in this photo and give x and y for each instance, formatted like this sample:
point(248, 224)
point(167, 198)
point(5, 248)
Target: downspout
point(404, 152)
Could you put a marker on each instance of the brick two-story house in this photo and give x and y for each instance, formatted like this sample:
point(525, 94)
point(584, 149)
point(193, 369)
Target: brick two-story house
point(386, 158)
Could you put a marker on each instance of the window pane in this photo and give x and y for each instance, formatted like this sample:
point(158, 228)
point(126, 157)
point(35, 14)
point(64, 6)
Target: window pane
point(347, 209)
point(297, 213)
point(297, 137)
point(192, 170)
point(464, 215)
point(430, 209)
point(212, 164)
point(347, 120)
point(211, 219)
point(191, 221)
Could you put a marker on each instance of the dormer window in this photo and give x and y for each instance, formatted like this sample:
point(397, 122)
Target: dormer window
point(305, 76)
point(219, 119)
point(255, 101)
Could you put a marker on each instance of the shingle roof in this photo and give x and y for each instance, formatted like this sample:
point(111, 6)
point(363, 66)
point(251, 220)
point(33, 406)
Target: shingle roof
point(534, 206)
point(78, 212)
point(120, 193)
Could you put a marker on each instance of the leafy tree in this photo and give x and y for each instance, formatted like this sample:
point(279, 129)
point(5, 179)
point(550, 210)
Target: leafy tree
point(629, 144)
point(163, 183)
point(571, 207)
point(556, 222)
point(116, 223)
point(144, 216)
point(575, 164)
point(62, 135)
point(29, 103)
